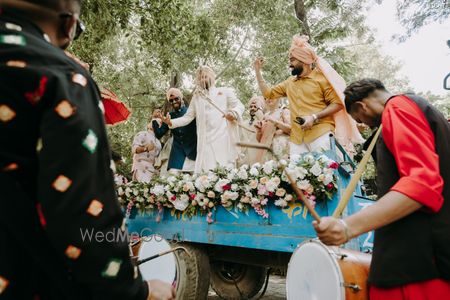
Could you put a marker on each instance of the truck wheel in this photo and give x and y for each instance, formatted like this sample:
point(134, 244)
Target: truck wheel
point(192, 272)
point(233, 281)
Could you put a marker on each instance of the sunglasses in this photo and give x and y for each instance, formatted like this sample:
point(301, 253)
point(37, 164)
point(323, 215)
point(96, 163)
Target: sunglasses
point(80, 25)
point(174, 99)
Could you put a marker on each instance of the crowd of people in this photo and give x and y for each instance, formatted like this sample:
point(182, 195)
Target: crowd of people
point(204, 135)
point(56, 177)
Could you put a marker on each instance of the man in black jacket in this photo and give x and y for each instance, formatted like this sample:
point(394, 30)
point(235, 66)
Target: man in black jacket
point(55, 175)
point(184, 146)
point(411, 258)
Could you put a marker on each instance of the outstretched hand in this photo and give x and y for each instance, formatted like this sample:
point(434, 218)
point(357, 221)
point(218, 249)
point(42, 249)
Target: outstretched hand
point(230, 117)
point(159, 290)
point(309, 122)
point(259, 62)
point(167, 119)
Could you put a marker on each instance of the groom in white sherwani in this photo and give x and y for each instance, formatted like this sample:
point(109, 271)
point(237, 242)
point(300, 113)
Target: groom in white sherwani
point(216, 111)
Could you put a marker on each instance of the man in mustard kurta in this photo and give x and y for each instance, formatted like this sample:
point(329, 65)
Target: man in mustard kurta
point(311, 96)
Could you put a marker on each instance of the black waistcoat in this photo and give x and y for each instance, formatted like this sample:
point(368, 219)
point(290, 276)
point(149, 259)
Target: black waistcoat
point(416, 247)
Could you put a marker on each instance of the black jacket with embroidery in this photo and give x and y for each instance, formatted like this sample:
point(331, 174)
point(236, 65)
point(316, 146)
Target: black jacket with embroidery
point(56, 183)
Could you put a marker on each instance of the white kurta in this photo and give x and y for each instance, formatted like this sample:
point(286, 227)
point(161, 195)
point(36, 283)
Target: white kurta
point(216, 137)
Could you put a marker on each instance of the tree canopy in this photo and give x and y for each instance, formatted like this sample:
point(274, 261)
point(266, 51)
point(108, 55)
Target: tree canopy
point(139, 48)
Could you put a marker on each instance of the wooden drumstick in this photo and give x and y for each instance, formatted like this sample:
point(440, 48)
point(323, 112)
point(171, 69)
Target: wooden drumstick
point(358, 173)
point(161, 254)
point(292, 182)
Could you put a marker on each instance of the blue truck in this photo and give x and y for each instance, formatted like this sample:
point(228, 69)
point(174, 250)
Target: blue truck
point(234, 253)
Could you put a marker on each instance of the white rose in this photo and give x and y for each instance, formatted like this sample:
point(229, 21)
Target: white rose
point(283, 162)
point(158, 190)
point(242, 174)
point(255, 201)
point(234, 186)
point(120, 191)
point(233, 195)
point(309, 158)
point(270, 186)
point(303, 184)
point(321, 178)
point(180, 205)
point(171, 179)
point(211, 194)
point(244, 167)
point(253, 171)
point(316, 170)
point(281, 203)
point(184, 198)
point(300, 172)
point(268, 168)
point(288, 197)
point(328, 179)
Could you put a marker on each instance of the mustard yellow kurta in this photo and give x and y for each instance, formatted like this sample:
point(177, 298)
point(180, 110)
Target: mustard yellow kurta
point(307, 95)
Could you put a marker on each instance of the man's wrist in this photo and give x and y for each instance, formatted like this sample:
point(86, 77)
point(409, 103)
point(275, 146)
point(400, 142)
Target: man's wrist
point(347, 233)
point(315, 118)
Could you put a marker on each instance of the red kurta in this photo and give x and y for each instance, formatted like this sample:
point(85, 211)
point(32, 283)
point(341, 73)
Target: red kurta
point(408, 136)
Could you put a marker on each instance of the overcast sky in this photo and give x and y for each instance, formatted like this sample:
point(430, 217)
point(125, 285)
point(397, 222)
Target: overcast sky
point(425, 56)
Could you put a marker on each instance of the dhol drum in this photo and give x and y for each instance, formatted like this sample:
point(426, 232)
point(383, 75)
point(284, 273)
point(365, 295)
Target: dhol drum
point(164, 267)
point(319, 272)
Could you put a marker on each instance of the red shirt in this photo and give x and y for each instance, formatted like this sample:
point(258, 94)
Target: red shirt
point(408, 136)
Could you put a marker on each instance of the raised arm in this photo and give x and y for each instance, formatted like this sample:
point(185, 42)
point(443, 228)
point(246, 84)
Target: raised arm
point(268, 93)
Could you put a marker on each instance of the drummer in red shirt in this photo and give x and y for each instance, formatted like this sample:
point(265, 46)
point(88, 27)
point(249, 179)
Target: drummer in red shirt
point(411, 219)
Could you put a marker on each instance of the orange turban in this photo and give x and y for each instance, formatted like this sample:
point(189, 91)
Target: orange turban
point(302, 50)
point(174, 92)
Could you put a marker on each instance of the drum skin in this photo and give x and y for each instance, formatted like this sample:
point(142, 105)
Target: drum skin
point(321, 272)
point(354, 266)
point(162, 268)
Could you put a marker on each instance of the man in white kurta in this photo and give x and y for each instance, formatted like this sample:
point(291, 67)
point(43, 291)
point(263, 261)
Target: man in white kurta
point(216, 134)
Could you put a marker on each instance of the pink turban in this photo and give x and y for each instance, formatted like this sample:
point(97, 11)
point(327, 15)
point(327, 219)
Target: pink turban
point(174, 92)
point(258, 100)
point(302, 50)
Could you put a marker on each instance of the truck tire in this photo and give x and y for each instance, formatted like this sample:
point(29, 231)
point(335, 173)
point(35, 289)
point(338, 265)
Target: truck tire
point(192, 273)
point(225, 276)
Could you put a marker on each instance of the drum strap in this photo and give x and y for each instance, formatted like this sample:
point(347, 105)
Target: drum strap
point(356, 177)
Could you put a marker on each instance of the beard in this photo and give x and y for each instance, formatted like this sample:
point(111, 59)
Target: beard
point(296, 71)
point(206, 85)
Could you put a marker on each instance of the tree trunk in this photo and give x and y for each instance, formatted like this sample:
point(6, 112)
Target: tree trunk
point(300, 13)
point(175, 80)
